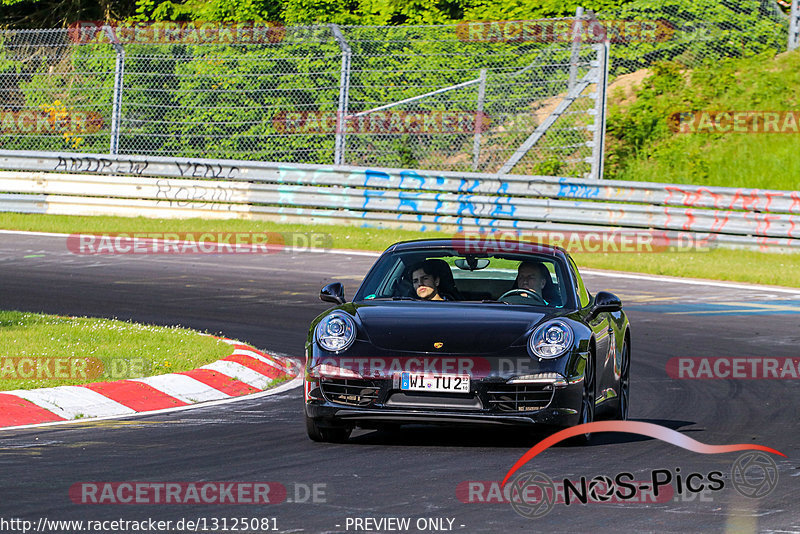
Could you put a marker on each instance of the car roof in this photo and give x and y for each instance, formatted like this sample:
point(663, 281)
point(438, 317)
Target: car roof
point(477, 245)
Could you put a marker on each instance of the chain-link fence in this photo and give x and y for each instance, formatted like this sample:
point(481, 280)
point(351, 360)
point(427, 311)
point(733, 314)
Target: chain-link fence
point(470, 101)
point(419, 97)
point(519, 97)
point(692, 32)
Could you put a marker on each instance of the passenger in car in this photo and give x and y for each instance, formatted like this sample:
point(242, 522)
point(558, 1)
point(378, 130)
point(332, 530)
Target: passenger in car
point(425, 281)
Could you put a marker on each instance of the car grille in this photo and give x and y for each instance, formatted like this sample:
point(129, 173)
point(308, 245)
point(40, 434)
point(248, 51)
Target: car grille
point(350, 392)
point(519, 397)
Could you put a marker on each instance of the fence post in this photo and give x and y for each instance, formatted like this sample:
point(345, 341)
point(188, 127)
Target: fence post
point(344, 96)
point(577, 31)
point(476, 143)
point(119, 73)
point(794, 26)
point(601, 90)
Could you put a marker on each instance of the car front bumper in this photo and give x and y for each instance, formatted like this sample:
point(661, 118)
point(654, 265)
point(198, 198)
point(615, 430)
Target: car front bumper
point(488, 403)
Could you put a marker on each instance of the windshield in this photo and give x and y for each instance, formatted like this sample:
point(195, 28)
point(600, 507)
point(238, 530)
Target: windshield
point(530, 279)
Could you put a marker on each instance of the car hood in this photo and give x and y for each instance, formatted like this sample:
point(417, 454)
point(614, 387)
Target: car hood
point(460, 328)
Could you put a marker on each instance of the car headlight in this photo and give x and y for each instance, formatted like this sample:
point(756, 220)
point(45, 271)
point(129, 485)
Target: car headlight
point(336, 332)
point(551, 339)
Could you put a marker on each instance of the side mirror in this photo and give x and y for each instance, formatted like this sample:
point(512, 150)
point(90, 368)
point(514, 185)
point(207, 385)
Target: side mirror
point(605, 302)
point(333, 293)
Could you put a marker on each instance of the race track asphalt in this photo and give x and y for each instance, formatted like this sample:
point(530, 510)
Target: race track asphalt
point(268, 301)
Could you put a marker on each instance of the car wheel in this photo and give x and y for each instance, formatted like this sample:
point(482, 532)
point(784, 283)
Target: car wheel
point(587, 401)
point(326, 434)
point(624, 384)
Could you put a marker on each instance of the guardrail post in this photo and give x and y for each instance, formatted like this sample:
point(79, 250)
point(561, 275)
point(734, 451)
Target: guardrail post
point(476, 143)
point(119, 73)
point(577, 31)
point(344, 96)
point(601, 90)
point(794, 26)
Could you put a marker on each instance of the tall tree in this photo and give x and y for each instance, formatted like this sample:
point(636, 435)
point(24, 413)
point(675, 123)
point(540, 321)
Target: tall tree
point(61, 13)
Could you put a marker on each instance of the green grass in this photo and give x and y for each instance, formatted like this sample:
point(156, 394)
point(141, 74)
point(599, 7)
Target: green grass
point(46, 350)
point(717, 264)
point(642, 147)
point(765, 161)
point(349, 237)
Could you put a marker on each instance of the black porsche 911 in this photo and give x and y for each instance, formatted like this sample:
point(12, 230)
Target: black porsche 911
point(466, 331)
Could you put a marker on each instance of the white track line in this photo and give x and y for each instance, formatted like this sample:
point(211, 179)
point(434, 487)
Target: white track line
point(22, 232)
point(691, 281)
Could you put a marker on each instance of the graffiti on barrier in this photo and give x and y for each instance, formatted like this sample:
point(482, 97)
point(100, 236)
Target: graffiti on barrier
point(194, 196)
point(207, 170)
point(100, 165)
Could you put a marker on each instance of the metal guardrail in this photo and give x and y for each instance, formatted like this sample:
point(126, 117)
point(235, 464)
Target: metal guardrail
point(89, 184)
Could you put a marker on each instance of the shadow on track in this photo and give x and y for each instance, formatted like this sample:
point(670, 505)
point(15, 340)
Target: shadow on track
point(437, 436)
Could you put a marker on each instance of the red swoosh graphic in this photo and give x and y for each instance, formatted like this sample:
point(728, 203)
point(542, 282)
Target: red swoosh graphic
point(633, 427)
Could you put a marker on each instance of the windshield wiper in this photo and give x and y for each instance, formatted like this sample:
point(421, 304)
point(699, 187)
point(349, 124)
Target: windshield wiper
point(490, 301)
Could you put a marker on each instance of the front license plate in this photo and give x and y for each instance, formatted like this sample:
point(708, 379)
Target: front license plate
point(437, 383)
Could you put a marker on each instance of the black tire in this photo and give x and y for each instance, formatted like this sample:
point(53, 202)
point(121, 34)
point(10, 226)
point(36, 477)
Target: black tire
point(623, 405)
point(338, 434)
point(587, 402)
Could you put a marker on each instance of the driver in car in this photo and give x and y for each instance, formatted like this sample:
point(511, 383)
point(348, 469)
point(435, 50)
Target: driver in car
point(532, 276)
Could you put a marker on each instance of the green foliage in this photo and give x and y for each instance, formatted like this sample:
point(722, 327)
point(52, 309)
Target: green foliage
point(364, 12)
point(646, 119)
point(704, 30)
point(60, 13)
point(107, 349)
point(642, 146)
point(209, 10)
point(528, 10)
point(147, 10)
point(226, 101)
point(549, 167)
